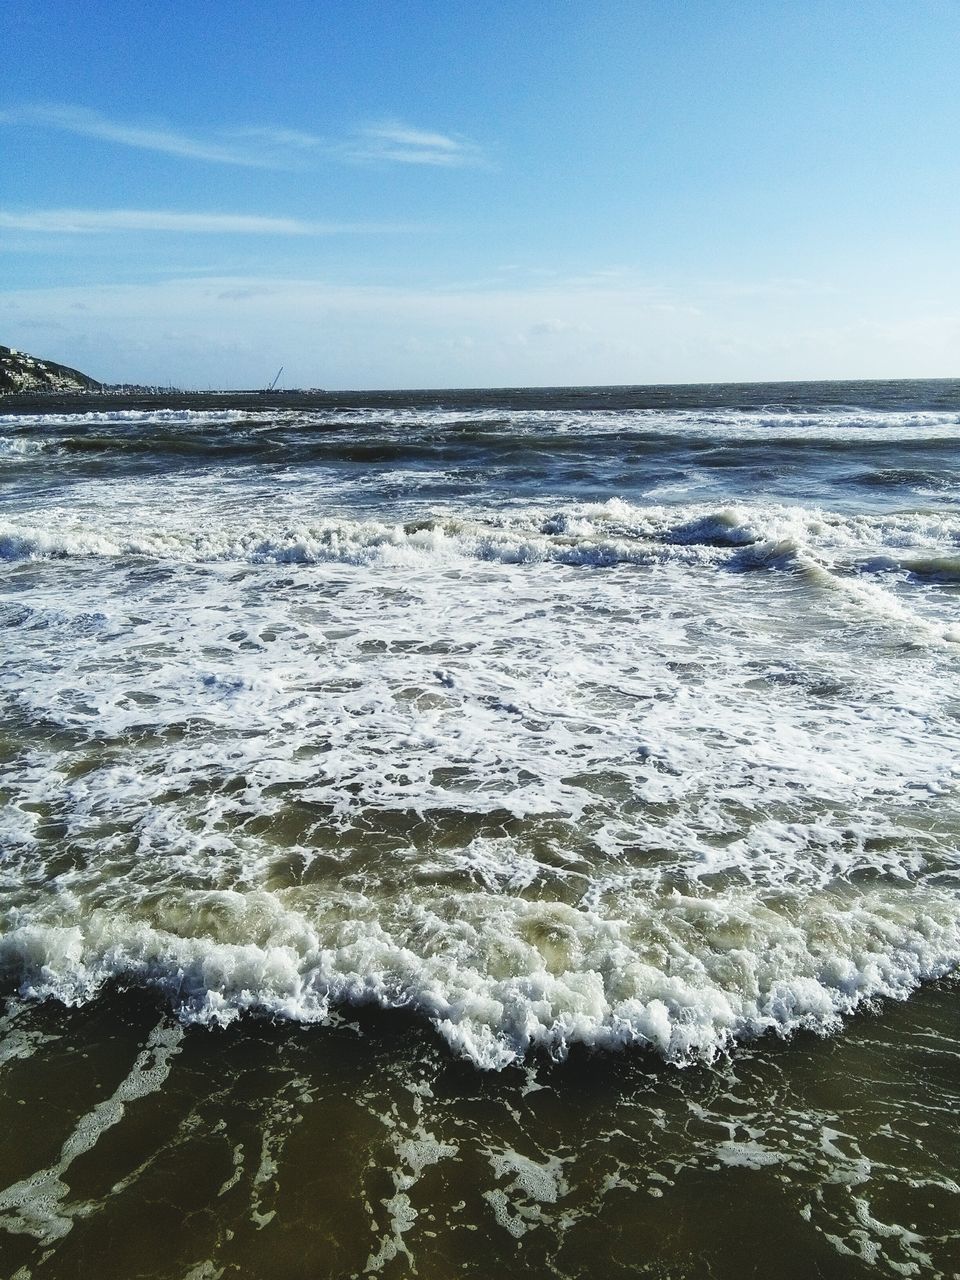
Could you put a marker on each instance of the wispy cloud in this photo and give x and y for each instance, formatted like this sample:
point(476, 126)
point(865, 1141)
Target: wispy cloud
point(80, 221)
point(279, 137)
point(91, 124)
point(398, 143)
point(257, 146)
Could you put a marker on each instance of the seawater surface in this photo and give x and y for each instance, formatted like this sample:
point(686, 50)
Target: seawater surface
point(470, 830)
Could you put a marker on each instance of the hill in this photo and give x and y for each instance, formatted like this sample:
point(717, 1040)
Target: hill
point(25, 374)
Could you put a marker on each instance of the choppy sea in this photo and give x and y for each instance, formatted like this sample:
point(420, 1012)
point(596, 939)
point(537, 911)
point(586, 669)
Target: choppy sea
point(471, 833)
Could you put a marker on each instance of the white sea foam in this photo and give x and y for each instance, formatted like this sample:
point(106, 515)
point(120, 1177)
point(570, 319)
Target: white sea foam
point(13, 447)
point(595, 533)
point(838, 423)
point(834, 550)
point(599, 773)
point(690, 807)
point(683, 975)
point(40, 1204)
point(131, 418)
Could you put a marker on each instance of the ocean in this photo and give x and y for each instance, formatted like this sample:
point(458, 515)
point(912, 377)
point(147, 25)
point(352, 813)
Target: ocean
point(469, 833)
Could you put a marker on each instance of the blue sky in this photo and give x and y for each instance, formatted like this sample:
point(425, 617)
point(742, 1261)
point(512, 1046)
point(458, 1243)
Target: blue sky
point(421, 193)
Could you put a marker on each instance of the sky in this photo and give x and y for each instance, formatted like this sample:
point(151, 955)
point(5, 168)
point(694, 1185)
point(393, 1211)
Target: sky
point(419, 193)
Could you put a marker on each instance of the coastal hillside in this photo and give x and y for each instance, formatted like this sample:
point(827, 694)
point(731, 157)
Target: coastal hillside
point(21, 373)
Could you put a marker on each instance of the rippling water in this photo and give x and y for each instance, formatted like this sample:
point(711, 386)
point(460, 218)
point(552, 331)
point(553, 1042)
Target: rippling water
point(374, 769)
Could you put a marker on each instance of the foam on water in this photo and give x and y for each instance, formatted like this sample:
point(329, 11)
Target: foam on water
point(41, 1205)
point(823, 423)
point(834, 550)
point(595, 772)
point(11, 447)
point(590, 533)
point(683, 975)
point(131, 418)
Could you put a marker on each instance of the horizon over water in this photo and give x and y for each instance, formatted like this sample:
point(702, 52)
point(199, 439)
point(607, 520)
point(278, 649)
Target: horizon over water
point(514, 829)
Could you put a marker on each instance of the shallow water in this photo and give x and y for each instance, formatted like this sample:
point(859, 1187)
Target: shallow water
point(137, 1148)
point(446, 831)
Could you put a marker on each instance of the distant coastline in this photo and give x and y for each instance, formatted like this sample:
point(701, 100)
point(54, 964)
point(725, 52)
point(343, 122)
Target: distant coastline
point(23, 373)
point(31, 385)
point(941, 394)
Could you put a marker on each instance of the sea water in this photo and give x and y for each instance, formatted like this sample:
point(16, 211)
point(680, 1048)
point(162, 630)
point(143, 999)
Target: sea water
point(465, 831)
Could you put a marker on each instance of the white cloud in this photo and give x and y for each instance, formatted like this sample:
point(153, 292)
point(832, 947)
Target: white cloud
point(81, 221)
point(235, 331)
point(399, 143)
point(280, 137)
point(406, 137)
point(91, 124)
point(256, 146)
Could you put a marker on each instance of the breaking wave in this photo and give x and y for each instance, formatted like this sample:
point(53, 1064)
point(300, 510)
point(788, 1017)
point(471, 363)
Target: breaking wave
point(684, 976)
point(543, 766)
point(614, 532)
